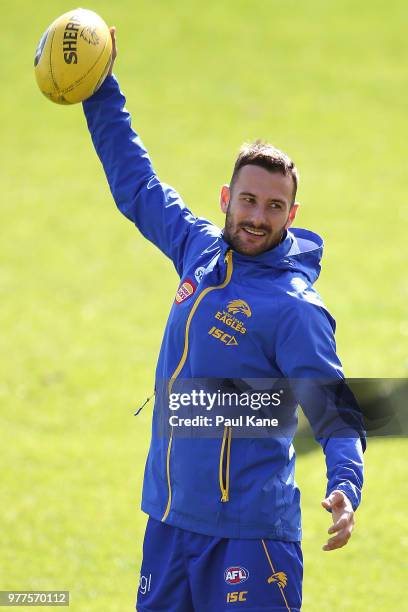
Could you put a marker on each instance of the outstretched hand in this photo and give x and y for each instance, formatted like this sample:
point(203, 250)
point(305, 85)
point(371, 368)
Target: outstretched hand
point(114, 51)
point(343, 519)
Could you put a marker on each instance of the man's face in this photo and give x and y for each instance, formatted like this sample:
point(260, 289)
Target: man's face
point(258, 209)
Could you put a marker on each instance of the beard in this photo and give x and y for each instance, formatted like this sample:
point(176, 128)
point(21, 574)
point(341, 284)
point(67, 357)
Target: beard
point(234, 236)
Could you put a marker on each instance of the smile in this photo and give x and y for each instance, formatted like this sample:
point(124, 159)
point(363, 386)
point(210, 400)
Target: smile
point(254, 232)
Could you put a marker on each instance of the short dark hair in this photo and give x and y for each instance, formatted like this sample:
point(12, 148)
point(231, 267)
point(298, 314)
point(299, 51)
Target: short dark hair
point(260, 153)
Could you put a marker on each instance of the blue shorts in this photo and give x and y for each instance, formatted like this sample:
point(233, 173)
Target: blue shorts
point(183, 571)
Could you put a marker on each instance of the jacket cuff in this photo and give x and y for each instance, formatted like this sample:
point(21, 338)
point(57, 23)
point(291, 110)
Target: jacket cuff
point(109, 86)
point(349, 490)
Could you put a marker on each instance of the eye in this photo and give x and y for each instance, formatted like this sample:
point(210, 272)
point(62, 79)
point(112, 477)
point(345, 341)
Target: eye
point(275, 205)
point(249, 199)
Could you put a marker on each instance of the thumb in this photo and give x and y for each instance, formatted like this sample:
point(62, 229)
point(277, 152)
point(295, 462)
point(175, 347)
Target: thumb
point(112, 31)
point(114, 49)
point(333, 499)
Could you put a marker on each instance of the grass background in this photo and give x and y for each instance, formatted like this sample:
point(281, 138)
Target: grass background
point(84, 299)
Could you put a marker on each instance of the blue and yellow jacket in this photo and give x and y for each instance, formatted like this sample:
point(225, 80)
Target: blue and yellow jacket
point(223, 486)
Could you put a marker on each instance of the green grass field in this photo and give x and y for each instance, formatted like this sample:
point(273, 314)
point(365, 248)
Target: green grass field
point(84, 299)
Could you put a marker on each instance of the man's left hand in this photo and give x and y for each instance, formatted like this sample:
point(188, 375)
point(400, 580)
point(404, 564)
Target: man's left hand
point(343, 519)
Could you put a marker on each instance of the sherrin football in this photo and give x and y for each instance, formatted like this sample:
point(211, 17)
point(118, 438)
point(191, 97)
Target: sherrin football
point(73, 57)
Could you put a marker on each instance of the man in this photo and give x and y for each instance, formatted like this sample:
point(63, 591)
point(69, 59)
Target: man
point(224, 518)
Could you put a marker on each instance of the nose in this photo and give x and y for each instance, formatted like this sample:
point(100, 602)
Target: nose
point(257, 218)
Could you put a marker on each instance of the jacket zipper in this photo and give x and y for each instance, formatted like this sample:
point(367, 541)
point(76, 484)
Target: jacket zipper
point(228, 260)
point(225, 455)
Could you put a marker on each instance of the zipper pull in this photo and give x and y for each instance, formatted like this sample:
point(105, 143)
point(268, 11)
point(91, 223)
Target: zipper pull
point(139, 410)
point(228, 256)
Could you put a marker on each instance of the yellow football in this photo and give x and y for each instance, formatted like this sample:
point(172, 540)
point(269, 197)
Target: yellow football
point(73, 57)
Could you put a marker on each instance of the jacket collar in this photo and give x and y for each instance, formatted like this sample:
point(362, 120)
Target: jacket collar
point(300, 250)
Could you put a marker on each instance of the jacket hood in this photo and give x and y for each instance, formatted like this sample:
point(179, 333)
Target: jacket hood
point(300, 251)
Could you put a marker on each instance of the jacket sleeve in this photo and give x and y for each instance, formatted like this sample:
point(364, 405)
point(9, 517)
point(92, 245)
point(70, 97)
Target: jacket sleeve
point(306, 354)
point(156, 208)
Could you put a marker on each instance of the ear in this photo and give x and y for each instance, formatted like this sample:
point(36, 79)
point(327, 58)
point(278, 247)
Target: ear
point(292, 215)
point(224, 198)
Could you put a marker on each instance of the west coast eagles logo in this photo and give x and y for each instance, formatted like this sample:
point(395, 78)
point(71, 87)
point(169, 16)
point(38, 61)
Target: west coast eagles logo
point(228, 318)
point(280, 578)
point(239, 306)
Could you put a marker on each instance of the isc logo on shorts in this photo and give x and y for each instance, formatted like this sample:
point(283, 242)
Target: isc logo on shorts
point(236, 596)
point(235, 574)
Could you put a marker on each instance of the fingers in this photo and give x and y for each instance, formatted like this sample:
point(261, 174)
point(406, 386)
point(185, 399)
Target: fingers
point(343, 528)
point(343, 520)
point(339, 540)
point(339, 525)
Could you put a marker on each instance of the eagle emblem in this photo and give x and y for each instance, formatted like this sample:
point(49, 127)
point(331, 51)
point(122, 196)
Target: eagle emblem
point(280, 578)
point(239, 306)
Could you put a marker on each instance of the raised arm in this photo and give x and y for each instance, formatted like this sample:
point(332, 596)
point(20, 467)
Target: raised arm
point(156, 208)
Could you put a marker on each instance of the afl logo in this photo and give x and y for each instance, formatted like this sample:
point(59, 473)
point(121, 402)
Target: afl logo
point(236, 574)
point(185, 290)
